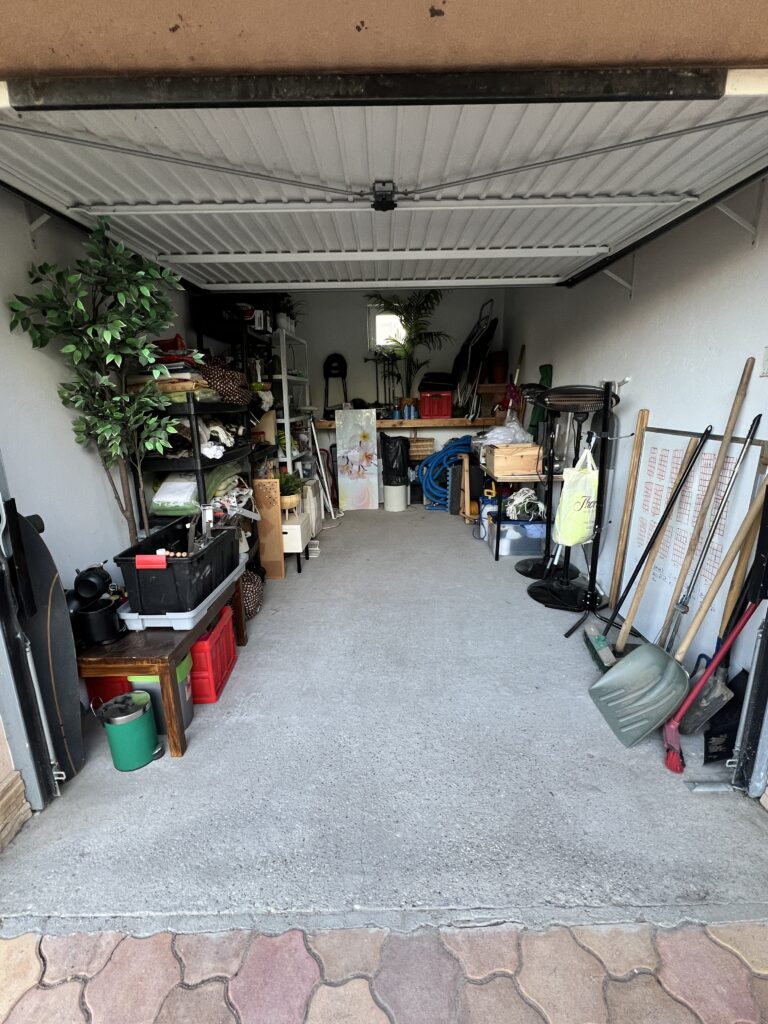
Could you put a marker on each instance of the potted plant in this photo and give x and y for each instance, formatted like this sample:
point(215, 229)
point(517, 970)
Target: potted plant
point(103, 310)
point(291, 487)
point(288, 311)
point(414, 312)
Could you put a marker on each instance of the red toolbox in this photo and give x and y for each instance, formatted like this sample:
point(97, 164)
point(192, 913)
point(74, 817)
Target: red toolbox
point(435, 405)
point(213, 658)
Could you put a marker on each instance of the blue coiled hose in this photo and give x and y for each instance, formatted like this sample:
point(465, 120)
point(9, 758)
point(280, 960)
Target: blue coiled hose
point(434, 468)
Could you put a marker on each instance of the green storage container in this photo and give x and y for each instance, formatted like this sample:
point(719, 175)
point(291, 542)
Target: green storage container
point(129, 723)
point(152, 686)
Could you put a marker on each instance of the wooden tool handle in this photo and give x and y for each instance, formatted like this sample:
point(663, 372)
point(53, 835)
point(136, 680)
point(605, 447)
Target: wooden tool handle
point(651, 560)
point(740, 572)
point(629, 501)
point(739, 575)
point(701, 518)
point(753, 516)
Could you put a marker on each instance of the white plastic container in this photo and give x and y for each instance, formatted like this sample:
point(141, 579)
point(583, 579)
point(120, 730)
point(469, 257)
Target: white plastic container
point(395, 498)
point(517, 538)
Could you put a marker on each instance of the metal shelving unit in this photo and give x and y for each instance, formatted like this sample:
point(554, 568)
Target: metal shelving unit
point(291, 385)
point(197, 462)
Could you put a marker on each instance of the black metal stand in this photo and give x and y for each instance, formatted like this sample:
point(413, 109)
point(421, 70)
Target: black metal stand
point(536, 568)
point(592, 598)
point(578, 595)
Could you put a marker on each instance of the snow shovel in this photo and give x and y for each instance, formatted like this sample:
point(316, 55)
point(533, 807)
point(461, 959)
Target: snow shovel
point(643, 690)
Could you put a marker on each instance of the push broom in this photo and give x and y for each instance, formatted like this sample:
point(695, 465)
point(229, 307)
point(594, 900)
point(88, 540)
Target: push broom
point(755, 593)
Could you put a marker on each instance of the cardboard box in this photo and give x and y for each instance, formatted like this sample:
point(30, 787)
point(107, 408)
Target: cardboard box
point(514, 459)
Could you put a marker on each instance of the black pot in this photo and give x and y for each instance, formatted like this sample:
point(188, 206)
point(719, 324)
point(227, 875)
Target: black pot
point(97, 623)
point(92, 583)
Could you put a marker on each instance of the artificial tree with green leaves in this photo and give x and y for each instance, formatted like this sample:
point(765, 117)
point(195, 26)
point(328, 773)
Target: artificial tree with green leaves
point(103, 310)
point(415, 313)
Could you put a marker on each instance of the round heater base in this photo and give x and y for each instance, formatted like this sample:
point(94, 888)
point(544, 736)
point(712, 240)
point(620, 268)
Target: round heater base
point(567, 595)
point(536, 568)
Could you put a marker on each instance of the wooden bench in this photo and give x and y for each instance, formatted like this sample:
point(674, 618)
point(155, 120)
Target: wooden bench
point(157, 652)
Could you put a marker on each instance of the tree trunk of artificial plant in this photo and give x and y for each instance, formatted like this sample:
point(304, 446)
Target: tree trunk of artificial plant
point(126, 505)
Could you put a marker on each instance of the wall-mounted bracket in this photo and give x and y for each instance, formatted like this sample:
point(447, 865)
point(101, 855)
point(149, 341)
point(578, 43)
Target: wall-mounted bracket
point(35, 220)
point(626, 282)
point(751, 227)
point(38, 222)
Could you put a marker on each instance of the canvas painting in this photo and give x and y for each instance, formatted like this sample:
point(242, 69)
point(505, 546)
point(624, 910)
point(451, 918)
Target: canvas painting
point(357, 458)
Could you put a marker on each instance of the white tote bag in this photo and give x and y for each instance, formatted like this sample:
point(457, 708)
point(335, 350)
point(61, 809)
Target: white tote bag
point(575, 519)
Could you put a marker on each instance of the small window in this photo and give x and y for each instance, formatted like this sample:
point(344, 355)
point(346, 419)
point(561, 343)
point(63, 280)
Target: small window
point(384, 330)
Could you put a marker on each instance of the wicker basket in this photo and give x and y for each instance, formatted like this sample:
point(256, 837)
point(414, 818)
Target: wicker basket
point(420, 448)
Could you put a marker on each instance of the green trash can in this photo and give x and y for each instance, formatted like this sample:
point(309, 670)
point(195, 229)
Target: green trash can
point(130, 727)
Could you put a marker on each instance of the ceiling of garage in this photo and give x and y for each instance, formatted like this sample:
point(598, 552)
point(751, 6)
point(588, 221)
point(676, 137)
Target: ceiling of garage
point(280, 198)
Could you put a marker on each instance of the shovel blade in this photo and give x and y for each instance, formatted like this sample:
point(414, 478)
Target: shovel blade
point(713, 697)
point(640, 693)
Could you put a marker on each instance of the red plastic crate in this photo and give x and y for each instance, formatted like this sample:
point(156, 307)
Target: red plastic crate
point(435, 405)
point(213, 658)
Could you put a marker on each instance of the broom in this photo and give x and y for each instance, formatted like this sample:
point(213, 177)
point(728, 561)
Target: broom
point(755, 592)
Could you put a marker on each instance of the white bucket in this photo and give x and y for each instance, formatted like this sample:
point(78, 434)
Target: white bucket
point(395, 498)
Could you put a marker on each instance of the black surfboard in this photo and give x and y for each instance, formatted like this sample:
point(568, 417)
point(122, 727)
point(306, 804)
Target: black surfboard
point(53, 650)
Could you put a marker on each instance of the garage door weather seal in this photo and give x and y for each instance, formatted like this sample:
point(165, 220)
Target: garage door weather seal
point(547, 85)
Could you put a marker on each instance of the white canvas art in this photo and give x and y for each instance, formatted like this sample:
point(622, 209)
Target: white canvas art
point(357, 459)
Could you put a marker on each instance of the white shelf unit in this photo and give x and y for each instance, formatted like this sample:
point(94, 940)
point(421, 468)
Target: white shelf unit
point(295, 390)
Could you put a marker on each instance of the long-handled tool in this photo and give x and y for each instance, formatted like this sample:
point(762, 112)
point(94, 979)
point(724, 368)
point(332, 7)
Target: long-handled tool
point(755, 594)
point(640, 693)
point(745, 556)
point(683, 605)
point(758, 777)
point(651, 560)
point(736, 762)
point(709, 494)
point(716, 693)
point(597, 643)
point(629, 501)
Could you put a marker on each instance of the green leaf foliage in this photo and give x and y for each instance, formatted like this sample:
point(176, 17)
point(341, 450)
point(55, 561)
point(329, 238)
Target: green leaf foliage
point(415, 313)
point(103, 312)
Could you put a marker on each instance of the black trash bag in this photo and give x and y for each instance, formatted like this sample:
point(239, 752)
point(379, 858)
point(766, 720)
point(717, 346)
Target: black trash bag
point(394, 460)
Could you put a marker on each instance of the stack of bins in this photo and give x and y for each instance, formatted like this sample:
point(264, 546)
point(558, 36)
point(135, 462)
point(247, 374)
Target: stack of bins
point(213, 657)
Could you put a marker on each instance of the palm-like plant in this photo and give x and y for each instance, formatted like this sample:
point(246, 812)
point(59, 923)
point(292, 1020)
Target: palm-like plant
point(414, 312)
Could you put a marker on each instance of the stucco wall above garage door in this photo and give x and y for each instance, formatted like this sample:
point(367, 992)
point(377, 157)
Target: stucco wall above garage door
point(195, 36)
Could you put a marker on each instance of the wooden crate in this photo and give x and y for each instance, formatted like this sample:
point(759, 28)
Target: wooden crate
point(513, 459)
point(420, 447)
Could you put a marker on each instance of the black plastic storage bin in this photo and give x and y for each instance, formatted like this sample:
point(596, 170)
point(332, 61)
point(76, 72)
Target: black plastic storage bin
point(184, 583)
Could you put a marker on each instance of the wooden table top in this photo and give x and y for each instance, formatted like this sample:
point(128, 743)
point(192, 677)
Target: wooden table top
point(150, 645)
point(522, 478)
point(146, 645)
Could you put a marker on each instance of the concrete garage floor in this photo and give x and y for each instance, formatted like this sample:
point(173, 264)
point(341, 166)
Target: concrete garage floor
point(407, 739)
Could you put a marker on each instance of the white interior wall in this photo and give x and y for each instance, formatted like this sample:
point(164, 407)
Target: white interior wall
point(698, 309)
point(336, 321)
point(48, 473)
point(6, 760)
